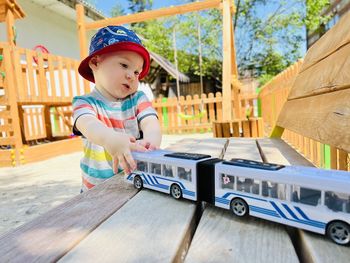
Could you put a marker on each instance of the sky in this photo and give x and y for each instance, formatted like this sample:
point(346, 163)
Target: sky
point(105, 7)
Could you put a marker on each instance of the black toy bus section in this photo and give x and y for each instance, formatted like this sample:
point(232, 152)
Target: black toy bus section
point(188, 156)
point(206, 180)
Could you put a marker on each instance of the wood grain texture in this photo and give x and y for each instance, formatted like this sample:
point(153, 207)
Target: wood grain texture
point(335, 38)
point(149, 228)
point(324, 118)
point(152, 227)
point(311, 247)
point(53, 234)
point(220, 237)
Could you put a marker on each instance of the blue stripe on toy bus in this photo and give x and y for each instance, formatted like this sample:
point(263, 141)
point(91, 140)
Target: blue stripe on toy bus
point(150, 178)
point(145, 179)
point(187, 192)
point(129, 177)
point(290, 211)
point(222, 200)
point(301, 213)
point(263, 211)
point(247, 196)
point(309, 222)
point(181, 185)
point(155, 179)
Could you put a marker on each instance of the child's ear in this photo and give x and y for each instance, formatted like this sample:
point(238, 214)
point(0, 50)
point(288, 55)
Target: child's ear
point(93, 63)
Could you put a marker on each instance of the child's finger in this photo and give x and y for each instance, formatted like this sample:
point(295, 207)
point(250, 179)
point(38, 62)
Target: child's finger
point(130, 161)
point(138, 147)
point(115, 165)
point(132, 138)
point(123, 164)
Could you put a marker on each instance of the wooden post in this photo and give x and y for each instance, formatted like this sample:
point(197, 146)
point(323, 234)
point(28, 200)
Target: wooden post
point(227, 66)
point(12, 102)
point(234, 73)
point(82, 39)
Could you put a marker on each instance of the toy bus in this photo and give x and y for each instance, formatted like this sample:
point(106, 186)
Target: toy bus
point(309, 198)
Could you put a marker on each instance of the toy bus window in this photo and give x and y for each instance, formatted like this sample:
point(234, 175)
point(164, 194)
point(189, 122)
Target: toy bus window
point(184, 173)
point(227, 181)
point(337, 201)
point(168, 170)
point(142, 166)
point(155, 168)
point(274, 190)
point(248, 185)
point(306, 195)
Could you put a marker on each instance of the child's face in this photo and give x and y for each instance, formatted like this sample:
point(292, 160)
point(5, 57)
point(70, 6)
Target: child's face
point(117, 74)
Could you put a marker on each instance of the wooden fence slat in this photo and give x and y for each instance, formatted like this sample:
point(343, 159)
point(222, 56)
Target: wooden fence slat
point(30, 72)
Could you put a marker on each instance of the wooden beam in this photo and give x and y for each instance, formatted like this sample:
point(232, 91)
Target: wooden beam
point(154, 14)
point(227, 61)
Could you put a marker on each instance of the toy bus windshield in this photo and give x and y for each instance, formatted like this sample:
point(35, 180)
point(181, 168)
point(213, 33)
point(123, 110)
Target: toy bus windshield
point(254, 164)
point(188, 156)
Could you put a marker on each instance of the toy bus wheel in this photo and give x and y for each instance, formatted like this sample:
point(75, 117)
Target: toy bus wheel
point(339, 232)
point(138, 184)
point(239, 207)
point(175, 191)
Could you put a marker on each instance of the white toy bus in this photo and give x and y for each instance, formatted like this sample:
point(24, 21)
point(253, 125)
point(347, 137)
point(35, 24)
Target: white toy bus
point(304, 197)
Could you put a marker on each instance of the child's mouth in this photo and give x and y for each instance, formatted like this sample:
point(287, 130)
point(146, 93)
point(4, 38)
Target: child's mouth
point(126, 86)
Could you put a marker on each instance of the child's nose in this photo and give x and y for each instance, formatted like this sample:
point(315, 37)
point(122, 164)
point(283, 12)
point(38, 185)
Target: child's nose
point(130, 75)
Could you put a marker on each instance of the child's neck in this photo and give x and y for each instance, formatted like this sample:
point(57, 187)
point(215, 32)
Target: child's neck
point(106, 95)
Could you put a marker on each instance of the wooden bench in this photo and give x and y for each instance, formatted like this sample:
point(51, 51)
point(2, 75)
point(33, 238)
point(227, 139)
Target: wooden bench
point(112, 222)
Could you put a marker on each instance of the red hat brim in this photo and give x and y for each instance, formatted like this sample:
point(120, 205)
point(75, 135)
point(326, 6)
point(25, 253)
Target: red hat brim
point(86, 72)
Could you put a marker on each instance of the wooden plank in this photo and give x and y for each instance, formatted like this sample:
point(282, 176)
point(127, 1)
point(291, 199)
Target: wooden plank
point(30, 72)
point(227, 54)
point(246, 128)
point(333, 40)
point(243, 148)
point(52, 149)
point(326, 76)
point(324, 118)
point(126, 236)
point(151, 222)
point(235, 128)
point(220, 237)
point(50, 236)
point(154, 14)
point(312, 247)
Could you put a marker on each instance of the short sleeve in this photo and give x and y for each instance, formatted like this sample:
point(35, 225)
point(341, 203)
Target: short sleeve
point(144, 107)
point(81, 106)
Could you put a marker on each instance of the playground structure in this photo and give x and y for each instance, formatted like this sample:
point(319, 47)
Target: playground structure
point(36, 91)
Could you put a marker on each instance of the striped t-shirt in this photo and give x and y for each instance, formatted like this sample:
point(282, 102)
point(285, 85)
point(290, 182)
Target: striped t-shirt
point(123, 115)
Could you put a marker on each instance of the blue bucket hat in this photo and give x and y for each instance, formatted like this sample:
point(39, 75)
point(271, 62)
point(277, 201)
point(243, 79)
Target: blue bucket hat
point(111, 39)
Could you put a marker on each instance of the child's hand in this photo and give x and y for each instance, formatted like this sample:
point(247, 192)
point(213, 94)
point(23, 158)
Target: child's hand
point(148, 145)
point(120, 148)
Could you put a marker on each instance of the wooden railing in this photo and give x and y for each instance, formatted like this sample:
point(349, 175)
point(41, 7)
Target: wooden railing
point(273, 96)
point(193, 114)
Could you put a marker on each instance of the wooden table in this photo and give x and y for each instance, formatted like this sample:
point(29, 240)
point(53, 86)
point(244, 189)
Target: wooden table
point(115, 223)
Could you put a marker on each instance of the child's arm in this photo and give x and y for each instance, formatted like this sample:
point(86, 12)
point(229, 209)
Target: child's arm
point(118, 144)
point(151, 131)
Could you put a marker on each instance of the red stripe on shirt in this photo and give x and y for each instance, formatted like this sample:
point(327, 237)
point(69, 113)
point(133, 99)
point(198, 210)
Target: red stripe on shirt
point(87, 183)
point(142, 106)
point(83, 106)
point(113, 123)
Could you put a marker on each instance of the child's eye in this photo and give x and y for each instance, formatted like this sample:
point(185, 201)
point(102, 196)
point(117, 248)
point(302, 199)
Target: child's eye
point(137, 73)
point(124, 65)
